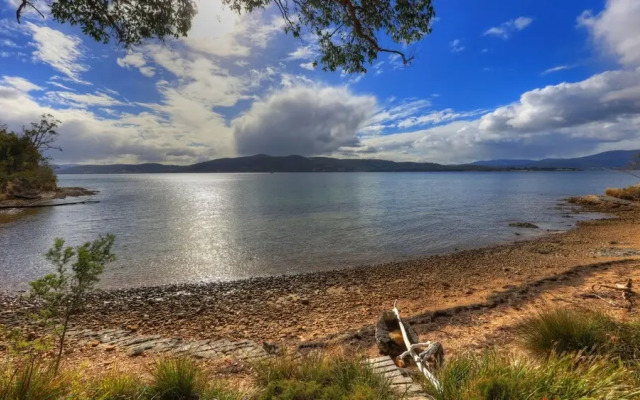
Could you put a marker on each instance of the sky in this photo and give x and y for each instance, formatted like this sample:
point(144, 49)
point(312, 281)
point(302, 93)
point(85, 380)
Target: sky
point(495, 79)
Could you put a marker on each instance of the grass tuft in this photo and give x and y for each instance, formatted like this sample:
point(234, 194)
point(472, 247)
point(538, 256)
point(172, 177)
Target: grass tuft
point(119, 386)
point(590, 332)
point(320, 376)
point(565, 331)
point(494, 377)
point(30, 380)
point(177, 379)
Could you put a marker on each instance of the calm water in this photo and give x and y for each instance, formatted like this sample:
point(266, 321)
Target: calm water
point(203, 227)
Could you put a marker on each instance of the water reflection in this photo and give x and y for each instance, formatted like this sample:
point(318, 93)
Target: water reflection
point(198, 227)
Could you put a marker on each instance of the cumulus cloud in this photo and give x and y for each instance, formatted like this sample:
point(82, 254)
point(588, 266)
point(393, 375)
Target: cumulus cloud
point(307, 120)
point(608, 97)
point(616, 29)
point(506, 29)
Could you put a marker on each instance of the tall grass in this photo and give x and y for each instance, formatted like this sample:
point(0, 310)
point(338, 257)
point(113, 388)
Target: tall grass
point(494, 377)
point(177, 379)
point(569, 330)
point(320, 376)
point(30, 380)
point(119, 386)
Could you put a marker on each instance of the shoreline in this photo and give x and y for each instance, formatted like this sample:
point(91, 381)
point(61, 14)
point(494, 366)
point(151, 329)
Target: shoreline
point(342, 305)
point(44, 198)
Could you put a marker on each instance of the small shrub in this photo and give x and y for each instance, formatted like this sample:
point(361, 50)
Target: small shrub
point(494, 377)
point(319, 376)
point(177, 379)
point(631, 193)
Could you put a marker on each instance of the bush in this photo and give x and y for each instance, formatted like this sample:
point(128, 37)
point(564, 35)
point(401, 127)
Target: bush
point(569, 331)
point(320, 376)
point(631, 193)
point(177, 379)
point(494, 377)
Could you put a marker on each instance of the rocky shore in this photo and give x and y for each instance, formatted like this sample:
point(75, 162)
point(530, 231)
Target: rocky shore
point(45, 197)
point(466, 298)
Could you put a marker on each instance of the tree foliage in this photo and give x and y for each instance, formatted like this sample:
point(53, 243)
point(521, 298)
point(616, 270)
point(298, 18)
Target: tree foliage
point(23, 167)
point(62, 293)
point(348, 32)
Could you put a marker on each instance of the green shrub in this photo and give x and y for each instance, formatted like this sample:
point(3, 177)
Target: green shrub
point(177, 379)
point(570, 330)
point(494, 377)
point(320, 376)
point(28, 379)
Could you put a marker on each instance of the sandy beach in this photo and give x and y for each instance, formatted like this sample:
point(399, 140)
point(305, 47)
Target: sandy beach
point(466, 300)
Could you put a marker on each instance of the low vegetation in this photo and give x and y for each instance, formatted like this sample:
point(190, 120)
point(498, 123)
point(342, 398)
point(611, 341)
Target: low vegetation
point(574, 354)
point(494, 377)
point(24, 171)
point(631, 193)
point(320, 377)
point(562, 331)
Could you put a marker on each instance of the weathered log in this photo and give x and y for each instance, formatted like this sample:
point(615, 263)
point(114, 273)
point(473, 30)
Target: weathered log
point(389, 336)
point(433, 349)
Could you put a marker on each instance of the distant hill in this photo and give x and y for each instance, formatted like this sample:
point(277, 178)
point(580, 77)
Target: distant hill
point(608, 159)
point(265, 163)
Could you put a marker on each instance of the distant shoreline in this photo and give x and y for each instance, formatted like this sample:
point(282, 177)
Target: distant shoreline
point(268, 164)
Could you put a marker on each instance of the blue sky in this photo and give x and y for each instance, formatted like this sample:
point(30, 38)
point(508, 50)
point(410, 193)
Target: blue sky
point(495, 79)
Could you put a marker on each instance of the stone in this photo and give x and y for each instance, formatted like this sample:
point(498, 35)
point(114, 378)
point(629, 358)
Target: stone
point(523, 225)
point(135, 351)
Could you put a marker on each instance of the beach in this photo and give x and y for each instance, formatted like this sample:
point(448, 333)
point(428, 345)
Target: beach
point(468, 299)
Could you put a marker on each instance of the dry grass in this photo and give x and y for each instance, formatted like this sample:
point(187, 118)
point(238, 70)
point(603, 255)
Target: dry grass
point(631, 193)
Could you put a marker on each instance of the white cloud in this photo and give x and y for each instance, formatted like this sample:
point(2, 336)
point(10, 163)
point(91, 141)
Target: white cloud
point(19, 83)
point(60, 51)
point(306, 120)
point(556, 69)
point(506, 29)
point(456, 46)
point(437, 117)
point(309, 66)
point(136, 60)
point(83, 100)
point(606, 97)
point(8, 43)
point(616, 29)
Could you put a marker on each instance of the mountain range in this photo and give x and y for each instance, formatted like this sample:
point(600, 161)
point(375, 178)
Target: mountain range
point(608, 159)
point(265, 163)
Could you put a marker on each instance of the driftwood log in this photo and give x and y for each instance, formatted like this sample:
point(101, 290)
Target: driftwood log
point(389, 336)
point(398, 339)
point(628, 295)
